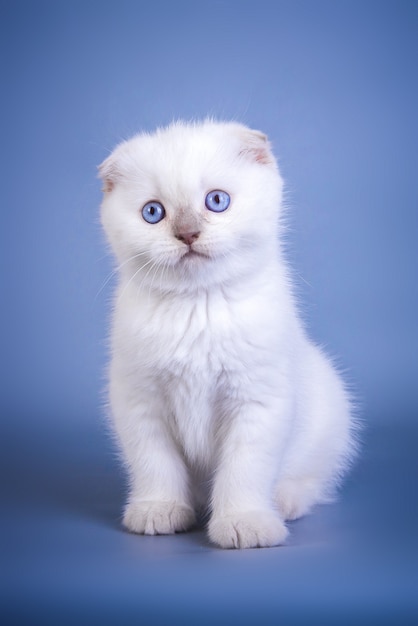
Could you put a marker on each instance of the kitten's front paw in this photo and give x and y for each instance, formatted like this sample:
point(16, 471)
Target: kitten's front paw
point(158, 518)
point(253, 529)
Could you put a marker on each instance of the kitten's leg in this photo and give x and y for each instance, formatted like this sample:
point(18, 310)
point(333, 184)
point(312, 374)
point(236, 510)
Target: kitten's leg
point(322, 447)
point(296, 496)
point(159, 500)
point(243, 515)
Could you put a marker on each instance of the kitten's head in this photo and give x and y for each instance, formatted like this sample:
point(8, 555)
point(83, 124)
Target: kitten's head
point(192, 204)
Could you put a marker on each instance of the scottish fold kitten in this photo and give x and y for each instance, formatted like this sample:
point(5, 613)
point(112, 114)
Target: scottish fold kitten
point(218, 397)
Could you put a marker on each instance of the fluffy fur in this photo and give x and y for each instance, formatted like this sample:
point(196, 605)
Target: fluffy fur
point(219, 399)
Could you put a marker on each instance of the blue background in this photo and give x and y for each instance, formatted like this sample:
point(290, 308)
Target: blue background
point(334, 85)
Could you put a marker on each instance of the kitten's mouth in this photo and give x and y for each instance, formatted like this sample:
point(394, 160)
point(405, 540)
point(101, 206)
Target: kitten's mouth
point(191, 254)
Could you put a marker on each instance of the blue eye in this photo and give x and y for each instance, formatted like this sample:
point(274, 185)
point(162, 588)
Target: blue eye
point(217, 201)
point(153, 212)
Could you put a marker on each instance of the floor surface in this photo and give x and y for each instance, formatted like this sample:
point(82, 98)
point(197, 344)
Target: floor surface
point(69, 561)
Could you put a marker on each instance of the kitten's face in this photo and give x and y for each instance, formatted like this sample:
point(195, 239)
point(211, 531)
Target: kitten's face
point(191, 204)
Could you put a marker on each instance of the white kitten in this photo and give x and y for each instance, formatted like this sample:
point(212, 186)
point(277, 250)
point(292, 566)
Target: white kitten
point(217, 395)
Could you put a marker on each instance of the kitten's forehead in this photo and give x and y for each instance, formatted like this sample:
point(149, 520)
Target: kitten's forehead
point(179, 159)
point(183, 156)
point(184, 149)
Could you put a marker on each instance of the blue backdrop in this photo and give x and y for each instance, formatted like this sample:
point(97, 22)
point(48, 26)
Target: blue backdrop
point(334, 85)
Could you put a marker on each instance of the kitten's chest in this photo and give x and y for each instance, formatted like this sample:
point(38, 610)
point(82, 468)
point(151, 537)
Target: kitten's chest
point(198, 354)
point(197, 341)
point(195, 345)
point(195, 337)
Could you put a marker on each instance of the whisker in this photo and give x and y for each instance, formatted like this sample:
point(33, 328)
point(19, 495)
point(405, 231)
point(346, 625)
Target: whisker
point(155, 264)
point(155, 267)
point(304, 280)
point(115, 271)
point(163, 272)
point(133, 277)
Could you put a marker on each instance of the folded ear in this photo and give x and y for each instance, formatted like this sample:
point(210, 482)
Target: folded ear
point(256, 145)
point(109, 173)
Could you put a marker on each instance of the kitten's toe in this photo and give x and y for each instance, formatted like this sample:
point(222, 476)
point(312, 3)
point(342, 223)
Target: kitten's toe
point(158, 518)
point(253, 529)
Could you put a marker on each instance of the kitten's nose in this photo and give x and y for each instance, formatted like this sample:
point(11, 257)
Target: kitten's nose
point(188, 238)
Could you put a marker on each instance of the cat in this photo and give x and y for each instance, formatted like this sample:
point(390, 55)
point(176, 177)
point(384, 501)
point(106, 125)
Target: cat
point(219, 399)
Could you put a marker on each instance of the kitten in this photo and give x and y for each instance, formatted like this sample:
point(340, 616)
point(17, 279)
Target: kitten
point(218, 397)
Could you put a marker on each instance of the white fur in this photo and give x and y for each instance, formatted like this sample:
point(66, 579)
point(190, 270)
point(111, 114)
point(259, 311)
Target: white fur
point(218, 397)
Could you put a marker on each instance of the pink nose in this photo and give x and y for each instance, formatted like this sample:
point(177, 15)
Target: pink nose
point(187, 238)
